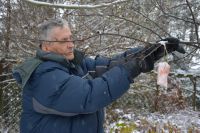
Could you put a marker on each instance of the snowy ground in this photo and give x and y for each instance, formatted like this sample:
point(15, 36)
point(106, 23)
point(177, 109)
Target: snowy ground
point(184, 121)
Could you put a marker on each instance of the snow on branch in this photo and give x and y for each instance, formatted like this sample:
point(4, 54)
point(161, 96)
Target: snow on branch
point(76, 6)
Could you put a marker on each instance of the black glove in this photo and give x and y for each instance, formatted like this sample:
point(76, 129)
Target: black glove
point(136, 66)
point(147, 64)
point(133, 68)
point(171, 45)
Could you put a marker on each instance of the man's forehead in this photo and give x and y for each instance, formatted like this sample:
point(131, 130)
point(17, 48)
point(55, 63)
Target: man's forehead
point(59, 31)
point(64, 28)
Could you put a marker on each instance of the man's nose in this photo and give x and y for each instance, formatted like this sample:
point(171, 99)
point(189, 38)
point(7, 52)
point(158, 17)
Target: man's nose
point(70, 44)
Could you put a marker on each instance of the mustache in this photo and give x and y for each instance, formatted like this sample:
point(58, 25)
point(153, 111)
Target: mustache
point(71, 50)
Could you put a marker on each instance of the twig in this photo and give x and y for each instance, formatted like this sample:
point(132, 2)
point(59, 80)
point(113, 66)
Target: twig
point(191, 44)
point(138, 25)
point(152, 22)
point(4, 75)
point(116, 34)
point(173, 16)
point(7, 81)
point(76, 6)
point(186, 55)
point(81, 40)
point(194, 20)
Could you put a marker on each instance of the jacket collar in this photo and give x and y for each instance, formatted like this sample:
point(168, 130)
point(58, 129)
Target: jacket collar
point(23, 71)
point(50, 56)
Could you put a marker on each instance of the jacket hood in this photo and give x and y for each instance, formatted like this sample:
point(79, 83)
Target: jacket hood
point(23, 71)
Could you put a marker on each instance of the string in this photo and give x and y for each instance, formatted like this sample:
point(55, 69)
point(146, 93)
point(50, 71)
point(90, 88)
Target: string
point(163, 69)
point(165, 50)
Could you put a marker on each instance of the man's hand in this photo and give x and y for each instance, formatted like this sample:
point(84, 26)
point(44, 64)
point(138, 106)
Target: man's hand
point(147, 64)
point(143, 60)
point(133, 68)
point(136, 66)
point(172, 44)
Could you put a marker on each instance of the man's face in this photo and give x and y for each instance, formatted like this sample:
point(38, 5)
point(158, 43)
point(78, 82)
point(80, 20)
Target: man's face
point(64, 48)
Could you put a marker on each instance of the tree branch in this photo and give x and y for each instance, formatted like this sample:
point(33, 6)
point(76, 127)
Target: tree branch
point(75, 6)
point(191, 44)
point(194, 20)
point(188, 20)
point(147, 28)
point(163, 30)
point(15, 37)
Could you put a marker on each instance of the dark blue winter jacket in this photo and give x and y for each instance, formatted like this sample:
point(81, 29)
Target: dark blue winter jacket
point(62, 97)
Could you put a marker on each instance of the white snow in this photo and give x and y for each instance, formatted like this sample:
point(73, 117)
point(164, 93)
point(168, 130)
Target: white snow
point(183, 120)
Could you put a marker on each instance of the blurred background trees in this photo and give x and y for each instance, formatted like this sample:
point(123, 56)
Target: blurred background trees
point(107, 30)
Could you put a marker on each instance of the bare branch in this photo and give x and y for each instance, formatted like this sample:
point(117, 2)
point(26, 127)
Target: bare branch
point(191, 44)
point(188, 20)
point(76, 6)
point(156, 24)
point(194, 20)
point(124, 36)
point(147, 28)
point(7, 81)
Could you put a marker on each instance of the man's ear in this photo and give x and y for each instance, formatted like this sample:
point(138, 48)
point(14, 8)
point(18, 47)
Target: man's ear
point(44, 47)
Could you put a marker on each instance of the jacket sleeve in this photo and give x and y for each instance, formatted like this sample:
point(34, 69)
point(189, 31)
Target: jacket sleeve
point(96, 67)
point(55, 91)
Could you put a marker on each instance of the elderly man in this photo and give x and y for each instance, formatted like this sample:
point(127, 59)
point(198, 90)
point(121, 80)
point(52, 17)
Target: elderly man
point(65, 91)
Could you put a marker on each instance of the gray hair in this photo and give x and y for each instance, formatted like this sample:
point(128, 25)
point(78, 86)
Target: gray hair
point(46, 27)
